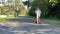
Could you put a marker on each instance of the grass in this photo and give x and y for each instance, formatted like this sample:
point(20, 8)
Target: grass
point(6, 18)
point(53, 21)
point(2, 19)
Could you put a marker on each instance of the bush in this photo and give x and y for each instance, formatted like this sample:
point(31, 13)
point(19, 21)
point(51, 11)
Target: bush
point(42, 4)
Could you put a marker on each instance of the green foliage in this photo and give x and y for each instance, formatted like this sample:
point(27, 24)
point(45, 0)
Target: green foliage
point(53, 2)
point(54, 9)
point(53, 21)
point(6, 18)
point(42, 4)
point(7, 10)
point(49, 8)
point(32, 12)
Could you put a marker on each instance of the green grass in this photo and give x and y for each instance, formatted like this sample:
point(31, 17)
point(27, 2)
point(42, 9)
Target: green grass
point(53, 21)
point(6, 18)
point(2, 19)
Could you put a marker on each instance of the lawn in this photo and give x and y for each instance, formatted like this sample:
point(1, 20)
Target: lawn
point(51, 21)
point(6, 18)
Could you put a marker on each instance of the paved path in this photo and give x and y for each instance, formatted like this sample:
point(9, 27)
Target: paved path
point(26, 25)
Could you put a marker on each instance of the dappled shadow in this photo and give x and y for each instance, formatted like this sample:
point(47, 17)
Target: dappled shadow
point(25, 25)
point(26, 29)
point(29, 28)
point(9, 25)
point(22, 19)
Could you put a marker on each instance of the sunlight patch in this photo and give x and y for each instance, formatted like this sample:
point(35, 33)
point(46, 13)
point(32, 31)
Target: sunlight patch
point(10, 24)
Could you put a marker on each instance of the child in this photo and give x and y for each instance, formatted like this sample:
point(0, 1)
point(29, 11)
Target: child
point(38, 14)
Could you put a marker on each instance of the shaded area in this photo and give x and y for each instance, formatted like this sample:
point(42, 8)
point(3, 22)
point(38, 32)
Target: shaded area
point(22, 19)
point(30, 28)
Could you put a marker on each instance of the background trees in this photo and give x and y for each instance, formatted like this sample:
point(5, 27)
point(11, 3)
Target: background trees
point(54, 8)
point(49, 8)
point(43, 5)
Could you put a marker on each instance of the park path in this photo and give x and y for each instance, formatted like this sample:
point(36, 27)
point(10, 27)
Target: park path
point(26, 25)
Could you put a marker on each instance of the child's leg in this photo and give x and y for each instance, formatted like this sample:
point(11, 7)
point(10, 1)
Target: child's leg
point(37, 18)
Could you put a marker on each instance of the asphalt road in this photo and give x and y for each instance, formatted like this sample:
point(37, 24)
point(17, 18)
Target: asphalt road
point(26, 25)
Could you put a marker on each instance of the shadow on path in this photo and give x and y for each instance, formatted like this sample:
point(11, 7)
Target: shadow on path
point(26, 26)
point(23, 19)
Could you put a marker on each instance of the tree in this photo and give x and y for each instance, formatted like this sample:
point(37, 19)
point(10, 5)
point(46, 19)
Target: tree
point(42, 4)
point(54, 8)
